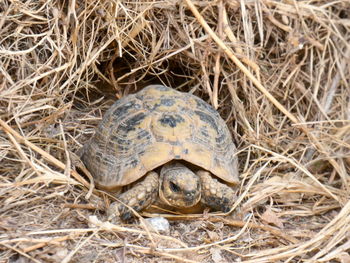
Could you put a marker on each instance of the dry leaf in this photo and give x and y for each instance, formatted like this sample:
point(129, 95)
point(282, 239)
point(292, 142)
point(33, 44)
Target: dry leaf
point(270, 217)
point(344, 257)
point(213, 236)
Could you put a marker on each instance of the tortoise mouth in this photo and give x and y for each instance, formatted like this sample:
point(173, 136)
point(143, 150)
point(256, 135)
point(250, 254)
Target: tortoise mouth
point(180, 200)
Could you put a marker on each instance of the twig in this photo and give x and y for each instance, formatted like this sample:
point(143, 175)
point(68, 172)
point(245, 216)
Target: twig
point(44, 154)
point(256, 82)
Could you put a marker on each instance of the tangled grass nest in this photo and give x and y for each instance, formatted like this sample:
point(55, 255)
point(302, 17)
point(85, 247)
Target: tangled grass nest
point(278, 73)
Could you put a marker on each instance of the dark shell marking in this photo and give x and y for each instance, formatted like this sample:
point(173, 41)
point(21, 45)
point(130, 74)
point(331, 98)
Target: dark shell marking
point(171, 120)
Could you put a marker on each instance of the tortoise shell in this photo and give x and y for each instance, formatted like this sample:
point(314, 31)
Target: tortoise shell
point(145, 130)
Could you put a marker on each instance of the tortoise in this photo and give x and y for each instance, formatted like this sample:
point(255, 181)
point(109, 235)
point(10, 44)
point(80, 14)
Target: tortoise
point(165, 145)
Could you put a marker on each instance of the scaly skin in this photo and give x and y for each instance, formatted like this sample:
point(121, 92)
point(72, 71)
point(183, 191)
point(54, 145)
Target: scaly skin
point(139, 197)
point(216, 195)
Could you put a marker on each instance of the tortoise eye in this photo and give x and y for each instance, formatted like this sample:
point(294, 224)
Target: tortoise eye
point(174, 187)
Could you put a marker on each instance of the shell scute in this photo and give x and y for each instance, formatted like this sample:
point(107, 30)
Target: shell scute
point(132, 123)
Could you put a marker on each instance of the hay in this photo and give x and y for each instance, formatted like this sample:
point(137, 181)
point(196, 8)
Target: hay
point(278, 73)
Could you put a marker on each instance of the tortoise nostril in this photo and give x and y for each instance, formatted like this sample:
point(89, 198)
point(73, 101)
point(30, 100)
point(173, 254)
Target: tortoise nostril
point(190, 193)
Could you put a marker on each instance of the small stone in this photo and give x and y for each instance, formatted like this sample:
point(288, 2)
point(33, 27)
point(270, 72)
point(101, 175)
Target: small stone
point(159, 224)
point(216, 255)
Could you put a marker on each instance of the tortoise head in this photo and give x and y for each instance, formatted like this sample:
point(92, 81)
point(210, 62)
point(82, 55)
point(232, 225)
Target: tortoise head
point(179, 186)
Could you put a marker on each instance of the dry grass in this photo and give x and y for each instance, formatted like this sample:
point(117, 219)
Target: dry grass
point(278, 73)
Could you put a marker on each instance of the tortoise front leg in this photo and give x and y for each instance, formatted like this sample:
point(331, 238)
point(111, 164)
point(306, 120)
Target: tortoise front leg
point(216, 195)
point(138, 197)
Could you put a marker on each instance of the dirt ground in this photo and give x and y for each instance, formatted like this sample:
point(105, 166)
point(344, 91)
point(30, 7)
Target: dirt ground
point(277, 72)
